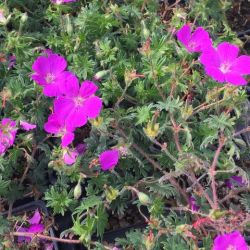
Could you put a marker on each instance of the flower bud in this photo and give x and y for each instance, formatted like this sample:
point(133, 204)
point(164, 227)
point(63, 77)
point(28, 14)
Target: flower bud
point(216, 214)
point(143, 198)
point(97, 122)
point(24, 18)
point(145, 31)
point(78, 190)
point(181, 228)
point(152, 130)
point(111, 193)
point(150, 241)
point(100, 74)
point(69, 28)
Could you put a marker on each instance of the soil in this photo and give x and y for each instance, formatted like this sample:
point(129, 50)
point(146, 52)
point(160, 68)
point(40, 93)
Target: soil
point(239, 20)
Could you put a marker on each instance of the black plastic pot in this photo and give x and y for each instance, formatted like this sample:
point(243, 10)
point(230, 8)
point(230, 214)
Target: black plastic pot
point(32, 206)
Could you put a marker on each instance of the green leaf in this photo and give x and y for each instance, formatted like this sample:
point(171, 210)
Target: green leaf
point(87, 203)
point(101, 220)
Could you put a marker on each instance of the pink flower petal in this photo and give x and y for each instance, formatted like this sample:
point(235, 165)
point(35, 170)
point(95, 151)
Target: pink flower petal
point(39, 79)
point(77, 117)
point(63, 106)
point(201, 40)
point(41, 65)
point(235, 78)
point(87, 89)
point(51, 90)
point(227, 52)
point(53, 125)
point(36, 218)
point(109, 159)
point(62, 1)
point(210, 58)
point(242, 65)
point(38, 228)
point(70, 156)
point(215, 73)
point(69, 84)
point(67, 138)
point(184, 34)
point(93, 106)
point(27, 126)
point(232, 240)
point(21, 230)
point(57, 63)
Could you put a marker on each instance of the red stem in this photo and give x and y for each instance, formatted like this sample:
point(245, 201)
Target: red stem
point(213, 172)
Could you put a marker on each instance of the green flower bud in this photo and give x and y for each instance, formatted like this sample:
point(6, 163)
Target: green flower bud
point(24, 18)
point(100, 74)
point(77, 190)
point(145, 31)
point(143, 198)
point(181, 229)
point(69, 27)
point(111, 194)
point(216, 214)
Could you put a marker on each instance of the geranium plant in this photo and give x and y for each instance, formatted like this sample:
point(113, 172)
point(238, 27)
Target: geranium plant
point(127, 103)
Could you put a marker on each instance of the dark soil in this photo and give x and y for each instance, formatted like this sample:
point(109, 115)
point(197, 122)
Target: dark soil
point(239, 20)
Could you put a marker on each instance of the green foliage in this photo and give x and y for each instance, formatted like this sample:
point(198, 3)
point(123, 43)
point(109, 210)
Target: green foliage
point(160, 110)
point(245, 201)
point(58, 200)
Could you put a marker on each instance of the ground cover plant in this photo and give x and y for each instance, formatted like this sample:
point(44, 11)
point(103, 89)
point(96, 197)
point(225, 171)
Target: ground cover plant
point(108, 105)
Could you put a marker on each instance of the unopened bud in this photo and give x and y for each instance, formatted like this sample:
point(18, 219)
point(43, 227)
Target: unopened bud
point(181, 228)
point(24, 18)
point(78, 190)
point(100, 74)
point(143, 198)
point(111, 193)
point(69, 27)
point(149, 241)
point(152, 130)
point(145, 31)
point(97, 122)
point(216, 214)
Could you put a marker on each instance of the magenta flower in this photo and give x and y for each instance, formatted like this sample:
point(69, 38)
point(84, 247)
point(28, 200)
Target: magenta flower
point(192, 203)
point(50, 72)
point(81, 148)
point(36, 218)
point(62, 1)
point(7, 134)
point(234, 181)
point(70, 155)
point(56, 125)
point(231, 241)
point(34, 227)
point(11, 61)
point(196, 42)
point(27, 126)
point(109, 159)
point(224, 65)
point(79, 102)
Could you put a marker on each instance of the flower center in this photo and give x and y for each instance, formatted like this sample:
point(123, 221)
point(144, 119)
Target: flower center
point(50, 78)
point(78, 101)
point(231, 247)
point(192, 45)
point(225, 67)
